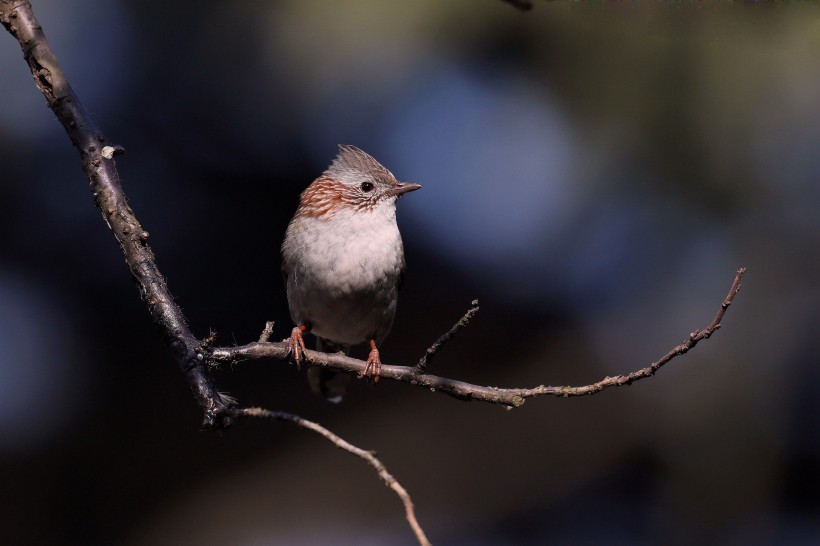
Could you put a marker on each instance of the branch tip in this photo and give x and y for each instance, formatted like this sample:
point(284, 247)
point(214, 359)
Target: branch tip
point(266, 332)
point(424, 361)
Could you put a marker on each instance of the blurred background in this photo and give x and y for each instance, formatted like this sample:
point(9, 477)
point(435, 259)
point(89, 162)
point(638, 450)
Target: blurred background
point(594, 174)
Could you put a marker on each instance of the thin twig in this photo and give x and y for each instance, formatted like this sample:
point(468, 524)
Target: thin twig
point(97, 156)
point(368, 456)
point(425, 360)
point(267, 332)
point(511, 397)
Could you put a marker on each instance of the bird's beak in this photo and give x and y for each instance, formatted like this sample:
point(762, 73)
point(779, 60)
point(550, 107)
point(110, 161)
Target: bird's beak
point(403, 187)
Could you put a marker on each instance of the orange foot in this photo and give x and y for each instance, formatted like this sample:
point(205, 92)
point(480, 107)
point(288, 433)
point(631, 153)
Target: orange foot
point(297, 344)
point(374, 365)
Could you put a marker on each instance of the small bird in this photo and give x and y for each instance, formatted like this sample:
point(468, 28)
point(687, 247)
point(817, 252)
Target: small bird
point(343, 258)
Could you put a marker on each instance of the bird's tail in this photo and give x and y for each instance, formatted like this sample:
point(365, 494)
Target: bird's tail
point(328, 384)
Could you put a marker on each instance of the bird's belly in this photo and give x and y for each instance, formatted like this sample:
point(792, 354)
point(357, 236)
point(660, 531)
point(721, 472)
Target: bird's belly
point(347, 317)
point(344, 281)
point(344, 304)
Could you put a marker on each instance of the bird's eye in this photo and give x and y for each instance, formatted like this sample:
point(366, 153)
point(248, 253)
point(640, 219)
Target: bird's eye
point(367, 186)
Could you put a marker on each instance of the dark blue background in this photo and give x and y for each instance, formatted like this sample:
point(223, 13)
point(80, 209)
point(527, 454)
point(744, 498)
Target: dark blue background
point(594, 174)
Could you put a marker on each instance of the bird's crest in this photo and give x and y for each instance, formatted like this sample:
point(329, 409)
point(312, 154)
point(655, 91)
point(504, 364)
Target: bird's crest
point(351, 161)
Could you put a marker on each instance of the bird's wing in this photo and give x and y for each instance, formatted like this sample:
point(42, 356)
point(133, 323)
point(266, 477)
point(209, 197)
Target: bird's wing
point(285, 269)
point(402, 267)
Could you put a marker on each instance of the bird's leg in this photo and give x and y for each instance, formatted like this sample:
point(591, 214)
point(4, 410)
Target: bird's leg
point(374, 364)
point(297, 343)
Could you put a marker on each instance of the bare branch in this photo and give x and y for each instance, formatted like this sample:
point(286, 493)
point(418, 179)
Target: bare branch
point(425, 360)
point(368, 456)
point(97, 156)
point(512, 397)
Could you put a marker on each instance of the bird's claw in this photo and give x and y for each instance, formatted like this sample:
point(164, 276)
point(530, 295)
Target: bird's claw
point(297, 345)
point(374, 365)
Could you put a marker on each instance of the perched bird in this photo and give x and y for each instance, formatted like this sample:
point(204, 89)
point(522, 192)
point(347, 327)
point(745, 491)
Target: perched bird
point(343, 259)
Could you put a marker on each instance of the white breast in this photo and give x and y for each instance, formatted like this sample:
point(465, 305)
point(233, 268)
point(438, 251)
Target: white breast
point(343, 273)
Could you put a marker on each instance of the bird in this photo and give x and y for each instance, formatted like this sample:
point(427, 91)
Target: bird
point(343, 261)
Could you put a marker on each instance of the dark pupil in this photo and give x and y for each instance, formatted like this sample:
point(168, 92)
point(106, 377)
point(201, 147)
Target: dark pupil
point(367, 186)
